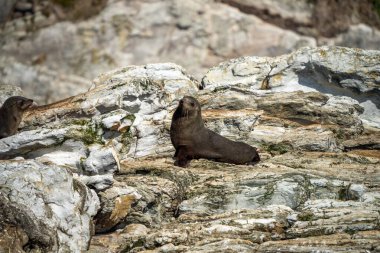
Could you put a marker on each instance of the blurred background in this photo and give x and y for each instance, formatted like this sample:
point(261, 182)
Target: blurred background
point(53, 49)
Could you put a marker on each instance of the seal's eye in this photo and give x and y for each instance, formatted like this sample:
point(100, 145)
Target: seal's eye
point(192, 104)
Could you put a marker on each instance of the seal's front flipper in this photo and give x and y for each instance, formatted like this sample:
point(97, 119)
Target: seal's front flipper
point(183, 157)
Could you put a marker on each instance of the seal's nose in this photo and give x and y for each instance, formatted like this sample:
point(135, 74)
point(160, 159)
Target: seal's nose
point(186, 100)
point(33, 105)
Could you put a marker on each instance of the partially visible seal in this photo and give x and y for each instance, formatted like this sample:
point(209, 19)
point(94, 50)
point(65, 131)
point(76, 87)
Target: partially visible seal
point(192, 140)
point(11, 114)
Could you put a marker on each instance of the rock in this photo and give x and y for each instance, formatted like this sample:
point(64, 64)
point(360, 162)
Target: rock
point(336, 243)
point(359, 36)
point(101, 160)
point(304, 121)
point(307, 69)
point(141, 194)
point(41, 83)
point(70, 153)
point(92, 38)
point(205, 234)
point(161, 186)
point(368, 140)
point(97, 182)
point(190, 34)
point(296, 195)
point(312, 18)
point(116, 205)
point(44, 207)
point(6, 10)
point(27, 141)
point(318, 175)
point(130, 92)
point(331, 216)
point(7, 91)
point(12, 239)
point(128, 238)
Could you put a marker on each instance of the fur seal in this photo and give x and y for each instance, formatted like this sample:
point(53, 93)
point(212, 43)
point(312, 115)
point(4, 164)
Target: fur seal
point(192, 140)
point(11, 114)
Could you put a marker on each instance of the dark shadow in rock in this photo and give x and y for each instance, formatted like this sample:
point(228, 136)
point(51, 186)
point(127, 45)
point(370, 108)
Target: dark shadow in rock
point(325, 81)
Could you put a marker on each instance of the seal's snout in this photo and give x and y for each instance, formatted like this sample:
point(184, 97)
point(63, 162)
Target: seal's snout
point(33, 105)
point(27, 103)
point(188, 101)
point(185, 100)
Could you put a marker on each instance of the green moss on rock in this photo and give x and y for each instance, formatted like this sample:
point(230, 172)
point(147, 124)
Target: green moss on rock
point(306, 216)
point(90, 135)
point(277, 148)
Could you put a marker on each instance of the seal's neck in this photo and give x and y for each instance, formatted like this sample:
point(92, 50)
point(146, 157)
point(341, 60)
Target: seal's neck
point(188, 120)
point(10, 116)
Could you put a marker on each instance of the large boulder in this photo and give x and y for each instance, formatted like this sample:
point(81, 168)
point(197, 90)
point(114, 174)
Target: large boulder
point(44, 208)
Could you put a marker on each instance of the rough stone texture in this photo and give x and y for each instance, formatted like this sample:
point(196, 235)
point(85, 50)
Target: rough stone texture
point(320, 19)
point(358, 36)
point(59, 58)
point(43, 84)
point(317, 185)
point(44, 208)
point(139, 97)
point(306, 195)
point(337, 71)
point(144, 193)
point(7, 91)
point(101, 160)
point(195, 34)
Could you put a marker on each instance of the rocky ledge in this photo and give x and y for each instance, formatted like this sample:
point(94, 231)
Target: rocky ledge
point(94, 172)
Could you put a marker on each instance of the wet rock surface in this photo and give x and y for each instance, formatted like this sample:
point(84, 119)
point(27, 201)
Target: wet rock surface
point(100, 163)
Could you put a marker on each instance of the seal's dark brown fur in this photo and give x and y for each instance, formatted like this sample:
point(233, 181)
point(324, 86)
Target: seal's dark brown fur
point(11, 114)
point(192, 140)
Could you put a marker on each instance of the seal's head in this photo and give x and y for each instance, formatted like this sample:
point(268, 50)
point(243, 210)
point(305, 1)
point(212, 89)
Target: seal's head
point(189, 107)
point(11, 113)
point(18, 103)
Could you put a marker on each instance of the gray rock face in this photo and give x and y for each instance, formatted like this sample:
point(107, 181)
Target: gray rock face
point(100, 161)
point(43, 84)
point(123, 109)
point(359, 36)
point(7, 91)
point(196, 34)
point(304, 195)
point(6, 9)
point(341, 72)
point(317, 182)
point(53, 210)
